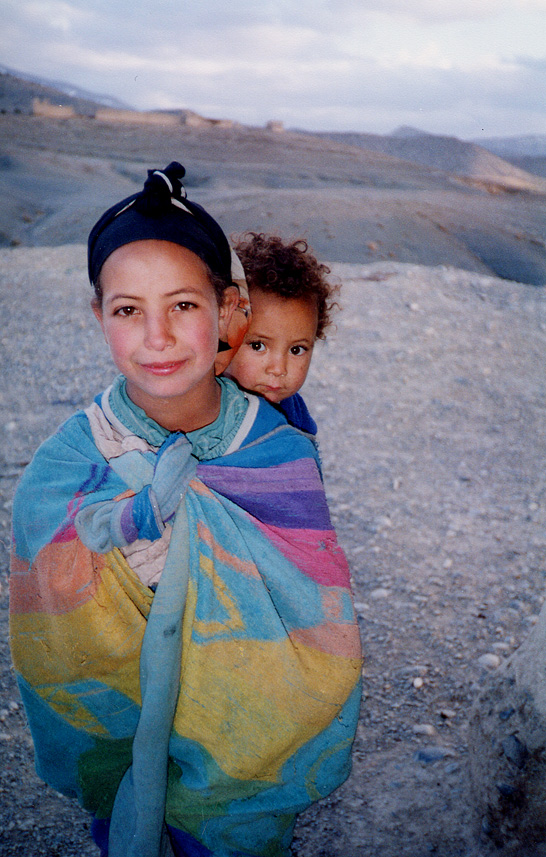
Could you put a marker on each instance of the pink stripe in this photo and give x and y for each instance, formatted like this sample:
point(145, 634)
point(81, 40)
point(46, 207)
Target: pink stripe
point(315, 552)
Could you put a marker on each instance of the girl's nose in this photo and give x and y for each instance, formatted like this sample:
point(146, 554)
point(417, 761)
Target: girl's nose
point(158, 334)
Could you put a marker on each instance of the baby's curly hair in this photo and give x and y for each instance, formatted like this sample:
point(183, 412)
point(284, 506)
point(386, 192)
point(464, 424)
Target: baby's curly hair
point(288, 270)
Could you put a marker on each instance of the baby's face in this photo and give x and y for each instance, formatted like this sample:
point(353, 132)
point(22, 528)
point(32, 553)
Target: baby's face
point(274, 357)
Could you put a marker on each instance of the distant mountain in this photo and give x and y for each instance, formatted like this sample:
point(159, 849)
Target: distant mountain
point(439, 152)
point(528, 145)
point(17, 90)
point(408, 131)
point(527, 152)
point(536, 166)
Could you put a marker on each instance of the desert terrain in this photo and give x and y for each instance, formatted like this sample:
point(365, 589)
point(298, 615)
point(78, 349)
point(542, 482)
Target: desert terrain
point(430, 399)
point(466, 208)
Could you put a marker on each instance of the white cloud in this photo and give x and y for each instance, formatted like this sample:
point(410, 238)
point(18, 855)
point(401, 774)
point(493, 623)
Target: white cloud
point(318, 63)
point(55, 15)
point(432, 11)
point(111, 62)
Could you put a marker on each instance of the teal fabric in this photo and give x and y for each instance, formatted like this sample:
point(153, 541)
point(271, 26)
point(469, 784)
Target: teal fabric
point(208, 442)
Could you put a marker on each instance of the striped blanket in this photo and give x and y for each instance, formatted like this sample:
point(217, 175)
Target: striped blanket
point(199, 716)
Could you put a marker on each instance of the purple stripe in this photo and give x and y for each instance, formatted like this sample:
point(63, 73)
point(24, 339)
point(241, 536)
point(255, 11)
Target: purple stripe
point(299, 475)
point(127, 523)
point(287, 495)
point(302, 510)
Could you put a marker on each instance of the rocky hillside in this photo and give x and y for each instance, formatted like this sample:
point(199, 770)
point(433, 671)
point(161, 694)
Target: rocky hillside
point(444, 153)
point(410, 198)
point(17, 94)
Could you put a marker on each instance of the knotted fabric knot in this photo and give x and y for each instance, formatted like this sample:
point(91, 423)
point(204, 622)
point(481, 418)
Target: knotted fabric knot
point(162, 189)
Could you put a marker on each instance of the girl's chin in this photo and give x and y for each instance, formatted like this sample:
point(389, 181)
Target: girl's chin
point(168, 385)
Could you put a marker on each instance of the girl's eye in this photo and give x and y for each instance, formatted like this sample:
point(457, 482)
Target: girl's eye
point(185, 305)
point(125, 311)
point(257, 346)
point(298, 350)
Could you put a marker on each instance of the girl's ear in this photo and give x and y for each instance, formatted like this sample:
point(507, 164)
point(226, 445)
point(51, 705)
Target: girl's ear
point(96, 306)
point(227, 308)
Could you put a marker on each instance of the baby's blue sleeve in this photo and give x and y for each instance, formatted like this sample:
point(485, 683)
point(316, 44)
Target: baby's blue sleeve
point(297, 414)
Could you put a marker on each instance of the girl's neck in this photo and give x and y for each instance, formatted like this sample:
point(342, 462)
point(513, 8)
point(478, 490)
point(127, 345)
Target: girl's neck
point(196, 409)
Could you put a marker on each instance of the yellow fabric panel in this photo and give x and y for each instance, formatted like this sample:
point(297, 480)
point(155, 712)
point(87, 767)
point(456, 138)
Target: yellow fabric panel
point(99, 641)
point(242, 722)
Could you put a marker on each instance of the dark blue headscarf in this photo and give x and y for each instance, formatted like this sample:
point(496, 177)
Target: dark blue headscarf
point(160, 211)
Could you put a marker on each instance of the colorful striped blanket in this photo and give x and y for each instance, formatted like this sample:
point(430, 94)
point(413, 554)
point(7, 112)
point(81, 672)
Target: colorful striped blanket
point(198, 719)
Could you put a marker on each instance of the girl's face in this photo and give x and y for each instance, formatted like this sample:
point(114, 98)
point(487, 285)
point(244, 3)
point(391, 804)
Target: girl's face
point(277, 349)
point(161, 320)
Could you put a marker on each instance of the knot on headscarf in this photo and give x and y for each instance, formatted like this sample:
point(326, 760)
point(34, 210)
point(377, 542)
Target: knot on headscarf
point(161, 212)
point(161, 189)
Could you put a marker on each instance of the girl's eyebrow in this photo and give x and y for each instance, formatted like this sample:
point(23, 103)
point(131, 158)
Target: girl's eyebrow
point(187, 290)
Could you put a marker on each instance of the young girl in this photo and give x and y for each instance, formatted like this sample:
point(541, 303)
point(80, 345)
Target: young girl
point(181, 618)
point(291, 302)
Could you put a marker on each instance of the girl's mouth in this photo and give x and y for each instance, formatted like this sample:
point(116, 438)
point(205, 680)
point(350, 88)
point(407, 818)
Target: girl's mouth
point(162, 368)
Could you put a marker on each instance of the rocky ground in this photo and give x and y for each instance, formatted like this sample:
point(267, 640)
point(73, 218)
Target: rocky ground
point(430, 397)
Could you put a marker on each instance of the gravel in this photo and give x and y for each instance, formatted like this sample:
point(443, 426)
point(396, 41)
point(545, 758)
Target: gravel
point(430, 399)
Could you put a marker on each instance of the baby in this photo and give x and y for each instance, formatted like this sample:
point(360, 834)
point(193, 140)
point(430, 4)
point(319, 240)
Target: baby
point(291, 302)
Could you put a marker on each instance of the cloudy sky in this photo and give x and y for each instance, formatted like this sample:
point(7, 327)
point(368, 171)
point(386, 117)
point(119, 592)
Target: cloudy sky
point(472, 68)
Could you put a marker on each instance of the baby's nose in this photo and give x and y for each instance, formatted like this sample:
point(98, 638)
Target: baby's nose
point(277, 365)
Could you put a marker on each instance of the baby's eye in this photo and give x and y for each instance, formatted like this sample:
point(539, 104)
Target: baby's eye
point(257, 345)
point(298, 350)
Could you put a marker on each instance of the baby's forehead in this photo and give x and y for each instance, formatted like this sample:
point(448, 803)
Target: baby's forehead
point(274, 314)
point(262, 300)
